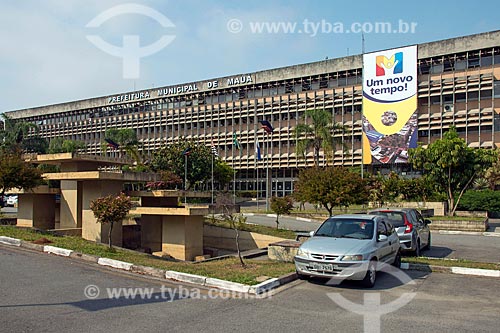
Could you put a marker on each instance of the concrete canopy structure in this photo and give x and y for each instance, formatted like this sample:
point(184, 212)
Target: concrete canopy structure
point(166, 227)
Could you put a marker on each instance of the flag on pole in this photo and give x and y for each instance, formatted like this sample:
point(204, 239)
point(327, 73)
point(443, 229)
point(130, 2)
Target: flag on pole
point(214, 150)
point(257, 150)
point(236, 143)
point(186, 151)
point(267, 126)
point(112, 144)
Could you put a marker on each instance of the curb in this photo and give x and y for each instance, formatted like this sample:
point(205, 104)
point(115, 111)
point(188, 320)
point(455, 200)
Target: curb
point(57, 251)
point(469, 233)
point(185, 277)
point(115, 263)
point(451, 270)
point(10, 241)
point(155, 272)
point(228, 285)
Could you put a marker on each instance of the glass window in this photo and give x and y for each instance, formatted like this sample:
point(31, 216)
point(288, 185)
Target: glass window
point(496, 89)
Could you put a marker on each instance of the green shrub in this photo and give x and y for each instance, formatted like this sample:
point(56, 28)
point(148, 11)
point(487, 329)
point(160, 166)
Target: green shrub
point(485, 200)
point(246, 194)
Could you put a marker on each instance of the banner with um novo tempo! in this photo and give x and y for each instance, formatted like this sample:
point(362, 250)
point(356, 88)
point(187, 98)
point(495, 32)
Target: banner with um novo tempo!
point(389, 105)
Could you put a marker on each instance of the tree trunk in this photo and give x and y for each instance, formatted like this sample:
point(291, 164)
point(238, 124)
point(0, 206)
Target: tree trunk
point(238, 248)
point(277, 221)
point(329, 209)
point(109, 235)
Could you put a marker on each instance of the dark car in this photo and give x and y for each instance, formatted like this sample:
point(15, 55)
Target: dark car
point(413, 230)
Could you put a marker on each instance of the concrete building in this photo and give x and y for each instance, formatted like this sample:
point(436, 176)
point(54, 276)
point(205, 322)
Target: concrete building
point(458, 84)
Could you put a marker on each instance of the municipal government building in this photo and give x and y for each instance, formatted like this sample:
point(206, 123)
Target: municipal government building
point(458, 83)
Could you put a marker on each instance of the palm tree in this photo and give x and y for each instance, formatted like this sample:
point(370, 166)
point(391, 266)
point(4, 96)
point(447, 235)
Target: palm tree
point(126, 138)
point(319, 134)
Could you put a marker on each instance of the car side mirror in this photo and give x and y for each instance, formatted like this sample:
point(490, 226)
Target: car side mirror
point(427, 221)
point(312, 233)
point(382, 238)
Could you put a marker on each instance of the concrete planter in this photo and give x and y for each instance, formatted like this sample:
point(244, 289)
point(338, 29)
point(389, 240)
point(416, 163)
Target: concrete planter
point(283, 251)
point(459, 225)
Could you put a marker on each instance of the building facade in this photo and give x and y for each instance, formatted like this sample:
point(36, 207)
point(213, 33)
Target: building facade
point(458, 85)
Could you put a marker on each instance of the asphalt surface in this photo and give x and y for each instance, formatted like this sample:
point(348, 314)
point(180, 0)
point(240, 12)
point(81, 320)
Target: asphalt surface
point(42, 293)
point(476, 248)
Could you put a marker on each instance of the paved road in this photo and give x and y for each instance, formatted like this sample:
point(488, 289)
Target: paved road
point(478, 248)
point(42, 293)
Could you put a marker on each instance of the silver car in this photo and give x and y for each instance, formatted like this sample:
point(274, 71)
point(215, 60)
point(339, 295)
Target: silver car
point(349, 247)
point(413, 230)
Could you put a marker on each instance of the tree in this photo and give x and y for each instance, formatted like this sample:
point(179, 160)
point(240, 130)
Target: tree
point(16, 173)
point(127, 141)
point(111, 209)
point(224, 203)
point(60, 145)
point(223, 173)
point(281, 206)
point(492, 175)
point(452, 165)
point(21, 136)
point(199, 163)
point(319, 134)
point(330, 187)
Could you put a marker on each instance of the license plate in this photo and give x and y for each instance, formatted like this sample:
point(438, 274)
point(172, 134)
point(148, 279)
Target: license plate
point(324, 267)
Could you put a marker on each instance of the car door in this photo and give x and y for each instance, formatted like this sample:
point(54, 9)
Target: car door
point(393, 238)
point(384, 247)
point(424, 229)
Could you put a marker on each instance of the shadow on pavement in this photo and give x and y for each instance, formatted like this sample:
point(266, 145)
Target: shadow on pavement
point(437, 252)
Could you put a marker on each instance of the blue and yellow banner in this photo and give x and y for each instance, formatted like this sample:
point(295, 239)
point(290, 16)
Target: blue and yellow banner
point(389, 105)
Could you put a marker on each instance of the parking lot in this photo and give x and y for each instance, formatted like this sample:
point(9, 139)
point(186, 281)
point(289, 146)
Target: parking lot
point(46, 293)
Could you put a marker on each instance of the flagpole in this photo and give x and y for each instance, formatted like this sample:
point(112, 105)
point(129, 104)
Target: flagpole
point(185, 177)
point(212, 178)
point(257, 169)
point(362, 84)
point(267, 170)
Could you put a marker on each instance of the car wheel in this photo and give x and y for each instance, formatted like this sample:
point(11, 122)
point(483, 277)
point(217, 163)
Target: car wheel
point(397, 260)
point(417, 249)
point(428, 246)
point(371, 275)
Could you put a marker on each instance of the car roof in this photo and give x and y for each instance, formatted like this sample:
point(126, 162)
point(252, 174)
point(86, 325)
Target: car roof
point(390, 209)
point(355, 216)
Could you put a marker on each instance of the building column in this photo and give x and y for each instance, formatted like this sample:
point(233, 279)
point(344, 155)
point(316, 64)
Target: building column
point(36, 211)
point(92, 230)
point(182, 236)
point(71, 204)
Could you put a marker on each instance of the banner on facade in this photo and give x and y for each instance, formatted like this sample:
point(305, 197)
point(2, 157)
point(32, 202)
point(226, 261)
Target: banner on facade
point(389, 105)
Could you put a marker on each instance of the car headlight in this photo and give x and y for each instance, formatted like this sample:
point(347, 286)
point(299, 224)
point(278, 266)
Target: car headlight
point(356, 257)
point(302, 253)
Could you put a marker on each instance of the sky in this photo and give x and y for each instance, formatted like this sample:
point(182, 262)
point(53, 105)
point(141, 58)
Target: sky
point(47, 56)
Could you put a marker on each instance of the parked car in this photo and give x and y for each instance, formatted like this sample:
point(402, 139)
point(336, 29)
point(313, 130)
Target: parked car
point(11, 200)
point(349, 247)
point(413, 230)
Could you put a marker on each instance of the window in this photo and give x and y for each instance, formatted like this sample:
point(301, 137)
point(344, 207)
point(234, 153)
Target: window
point(496, 89)
point(381, 228)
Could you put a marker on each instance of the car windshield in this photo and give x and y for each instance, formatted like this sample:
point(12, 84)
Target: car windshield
point(397, 219)
point(346, 228)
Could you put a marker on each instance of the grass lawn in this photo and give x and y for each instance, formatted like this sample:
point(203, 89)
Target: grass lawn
point(451, 263)
point(226, 269)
